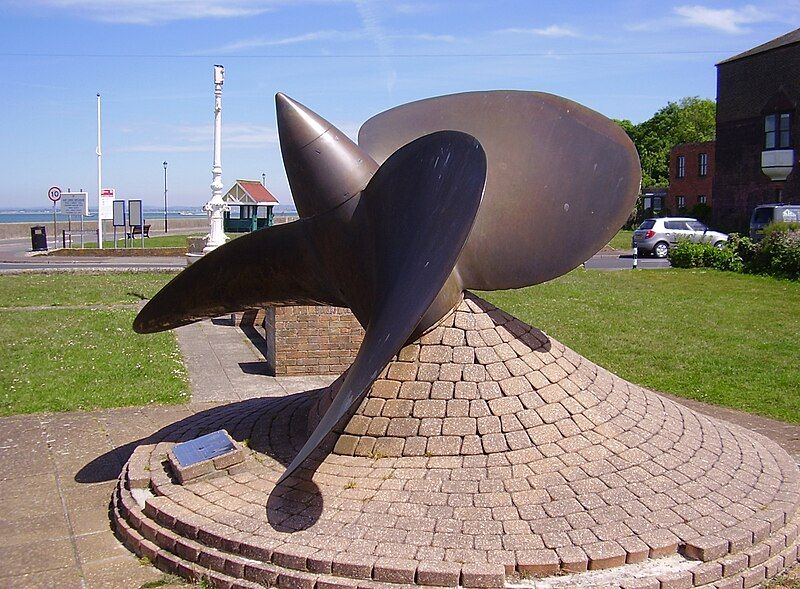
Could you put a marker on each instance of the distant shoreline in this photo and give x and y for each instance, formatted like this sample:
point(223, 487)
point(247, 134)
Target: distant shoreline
point(40, 216)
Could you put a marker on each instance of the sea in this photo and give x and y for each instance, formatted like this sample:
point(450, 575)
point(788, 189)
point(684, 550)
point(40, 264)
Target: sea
point(34, 216)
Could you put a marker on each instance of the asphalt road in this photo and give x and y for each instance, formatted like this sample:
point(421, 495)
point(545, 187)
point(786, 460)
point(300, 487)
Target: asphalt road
point(624, 262)
point(14, 256)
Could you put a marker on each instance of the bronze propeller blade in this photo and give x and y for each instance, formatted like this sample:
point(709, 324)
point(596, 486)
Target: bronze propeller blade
point(275, 267)
point(561, 181)
point(419, 209)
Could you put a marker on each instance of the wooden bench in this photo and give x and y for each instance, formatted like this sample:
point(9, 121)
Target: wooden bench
point(137, 230)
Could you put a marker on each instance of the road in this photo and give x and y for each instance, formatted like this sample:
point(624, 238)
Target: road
point(607, 261)
point(14, 255)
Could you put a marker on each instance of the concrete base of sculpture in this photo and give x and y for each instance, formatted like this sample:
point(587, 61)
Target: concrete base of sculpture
point(486, 454)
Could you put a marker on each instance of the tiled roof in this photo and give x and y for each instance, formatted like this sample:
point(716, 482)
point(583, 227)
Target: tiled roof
point(257, 191)
point(787, 39)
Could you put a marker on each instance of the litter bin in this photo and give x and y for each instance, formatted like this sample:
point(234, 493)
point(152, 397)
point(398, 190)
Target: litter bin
point(39, 238)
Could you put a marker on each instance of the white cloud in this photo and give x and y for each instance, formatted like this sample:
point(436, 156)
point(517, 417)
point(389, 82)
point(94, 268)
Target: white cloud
point(199, 138)
point(553, 31)
point(725, 20)
point(318, 36)
point(147, 12)
point(256, 42)
point(410, 8)
point(728, 20)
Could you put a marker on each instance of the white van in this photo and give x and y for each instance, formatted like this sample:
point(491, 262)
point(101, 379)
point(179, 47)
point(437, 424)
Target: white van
point(763, 215)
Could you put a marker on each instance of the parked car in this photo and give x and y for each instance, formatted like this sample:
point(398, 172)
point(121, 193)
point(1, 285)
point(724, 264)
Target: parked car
point(655, 236)
point(763, 215)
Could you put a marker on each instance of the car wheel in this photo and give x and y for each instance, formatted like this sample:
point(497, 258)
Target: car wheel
point(719, 245)
point(661, 250)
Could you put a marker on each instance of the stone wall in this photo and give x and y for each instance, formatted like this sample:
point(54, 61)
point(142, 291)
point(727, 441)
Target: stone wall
point(310, 340)
point(17, 230)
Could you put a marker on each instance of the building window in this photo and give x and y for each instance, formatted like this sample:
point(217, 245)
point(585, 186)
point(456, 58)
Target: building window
point(681, 200)
point(777, 131)
point(681, 166)
point(701, 199)
point(702, 164)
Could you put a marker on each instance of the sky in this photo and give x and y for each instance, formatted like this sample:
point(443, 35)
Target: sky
point(347, 60)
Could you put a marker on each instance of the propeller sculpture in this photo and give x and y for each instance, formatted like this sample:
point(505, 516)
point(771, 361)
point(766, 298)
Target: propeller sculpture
point(481, 190)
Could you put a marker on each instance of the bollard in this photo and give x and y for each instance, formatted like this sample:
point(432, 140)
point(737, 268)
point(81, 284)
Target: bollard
point(635, 257)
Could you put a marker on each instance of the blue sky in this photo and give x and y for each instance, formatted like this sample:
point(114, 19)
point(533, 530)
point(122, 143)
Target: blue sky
point(152, 62)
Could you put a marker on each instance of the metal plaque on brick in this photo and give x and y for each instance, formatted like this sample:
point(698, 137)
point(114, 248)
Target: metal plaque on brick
point(205, 447)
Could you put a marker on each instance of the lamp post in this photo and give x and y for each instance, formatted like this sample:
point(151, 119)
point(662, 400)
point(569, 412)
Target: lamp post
point(216, 206)
point(165, 197)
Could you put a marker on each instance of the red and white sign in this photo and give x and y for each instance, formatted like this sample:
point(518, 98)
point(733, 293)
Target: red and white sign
point(105, 209)
point(54, 193)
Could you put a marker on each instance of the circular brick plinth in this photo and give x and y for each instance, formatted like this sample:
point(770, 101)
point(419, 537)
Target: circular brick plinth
point(485, 452)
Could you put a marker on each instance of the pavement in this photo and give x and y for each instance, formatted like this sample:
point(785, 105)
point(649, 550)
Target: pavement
point(15, 255)
point(59, 470)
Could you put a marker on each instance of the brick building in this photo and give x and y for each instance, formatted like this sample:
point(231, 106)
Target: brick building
point(757, 127)
point(691, 174)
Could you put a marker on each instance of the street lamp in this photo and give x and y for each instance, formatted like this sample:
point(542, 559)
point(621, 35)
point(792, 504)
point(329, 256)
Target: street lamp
point(165, 197)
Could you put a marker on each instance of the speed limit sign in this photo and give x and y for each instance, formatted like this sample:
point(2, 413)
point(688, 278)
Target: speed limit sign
point(54, 193)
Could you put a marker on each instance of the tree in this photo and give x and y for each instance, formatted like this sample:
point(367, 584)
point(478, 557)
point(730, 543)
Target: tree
point(689, 120)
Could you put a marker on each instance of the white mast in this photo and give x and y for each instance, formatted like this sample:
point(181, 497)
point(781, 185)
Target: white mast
point(216, 206)
point(99, 179)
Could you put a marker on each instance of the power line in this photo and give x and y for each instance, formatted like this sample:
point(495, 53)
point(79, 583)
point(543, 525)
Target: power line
point(362, 55)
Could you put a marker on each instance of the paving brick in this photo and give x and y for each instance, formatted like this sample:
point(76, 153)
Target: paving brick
point(441, 574)
point(537, 563)
point(482, 575)
point(394, 570)
point(676, 580)
point(604, 555)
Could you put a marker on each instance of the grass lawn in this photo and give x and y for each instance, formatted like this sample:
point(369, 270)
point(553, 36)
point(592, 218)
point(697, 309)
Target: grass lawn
point(28, 290)
point(62, 359)
point(622, 240)
point(724, 338)
point(155, 241)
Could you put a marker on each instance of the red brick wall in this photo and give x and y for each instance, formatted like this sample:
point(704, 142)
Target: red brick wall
point(747, 89)
point(310, 340)
point(692, 185)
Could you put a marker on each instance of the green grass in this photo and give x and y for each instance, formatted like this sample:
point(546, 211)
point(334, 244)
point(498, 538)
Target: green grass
point(155, 241)
point(28, 290)
point(723, 338)
point(622, 240)
point(66, 359)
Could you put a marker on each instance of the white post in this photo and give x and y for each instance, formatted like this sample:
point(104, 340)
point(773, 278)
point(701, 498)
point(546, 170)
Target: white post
point(216, 206)
point(99, 179)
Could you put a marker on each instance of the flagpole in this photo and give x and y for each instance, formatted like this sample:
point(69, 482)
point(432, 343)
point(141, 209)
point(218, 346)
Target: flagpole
point(99, 180)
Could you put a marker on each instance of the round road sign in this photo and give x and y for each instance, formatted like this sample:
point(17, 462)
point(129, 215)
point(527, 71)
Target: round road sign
point(54, 193)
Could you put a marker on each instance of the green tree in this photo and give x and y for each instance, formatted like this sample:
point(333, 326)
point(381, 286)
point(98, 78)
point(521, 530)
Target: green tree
point(689, 120)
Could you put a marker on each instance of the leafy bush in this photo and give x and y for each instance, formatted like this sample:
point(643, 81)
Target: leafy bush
point(780, 250)
point(687, 254)
point(777, 254)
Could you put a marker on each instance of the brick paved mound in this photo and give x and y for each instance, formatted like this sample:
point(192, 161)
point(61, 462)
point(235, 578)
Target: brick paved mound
point(486, 453)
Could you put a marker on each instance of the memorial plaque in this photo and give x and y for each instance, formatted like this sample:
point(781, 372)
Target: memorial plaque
point(205, 447)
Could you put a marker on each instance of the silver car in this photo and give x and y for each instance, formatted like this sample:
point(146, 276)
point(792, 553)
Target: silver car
point(655, 236)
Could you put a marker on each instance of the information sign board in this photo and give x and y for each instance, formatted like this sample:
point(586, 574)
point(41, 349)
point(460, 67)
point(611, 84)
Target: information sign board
point(119, 213)
point(105, 209)
point(74, 203)
point(135, 216)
